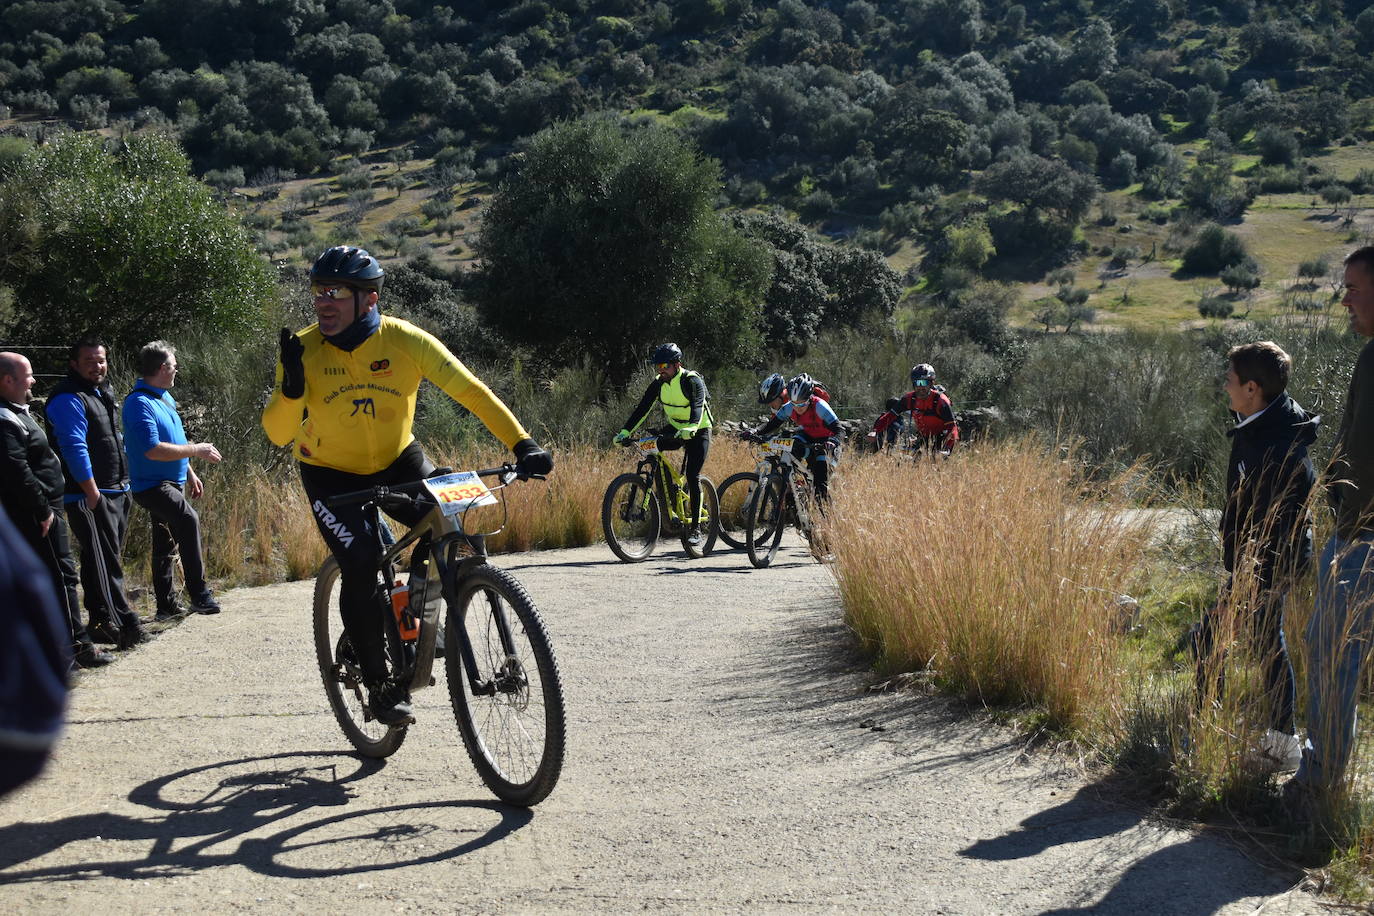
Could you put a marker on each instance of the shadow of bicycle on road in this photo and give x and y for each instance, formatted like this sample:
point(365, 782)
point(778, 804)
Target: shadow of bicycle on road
point(212, 816)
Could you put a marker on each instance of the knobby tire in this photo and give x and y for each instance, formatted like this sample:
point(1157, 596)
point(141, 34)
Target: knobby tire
point(515, 735)
point(630, 518)
point(766, 522)
point(342, 677)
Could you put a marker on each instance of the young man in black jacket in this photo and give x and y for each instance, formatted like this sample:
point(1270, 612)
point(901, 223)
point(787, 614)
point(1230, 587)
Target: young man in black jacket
point(1266, 528)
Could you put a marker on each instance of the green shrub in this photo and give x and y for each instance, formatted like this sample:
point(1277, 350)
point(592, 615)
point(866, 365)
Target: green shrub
point(1215, 307)
point(1213, 250)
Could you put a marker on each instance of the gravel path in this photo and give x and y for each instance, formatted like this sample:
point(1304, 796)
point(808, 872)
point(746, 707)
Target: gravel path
point(724, 756)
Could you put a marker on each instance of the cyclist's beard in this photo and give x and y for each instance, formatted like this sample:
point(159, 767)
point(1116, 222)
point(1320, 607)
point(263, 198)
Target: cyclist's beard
point(363, 326)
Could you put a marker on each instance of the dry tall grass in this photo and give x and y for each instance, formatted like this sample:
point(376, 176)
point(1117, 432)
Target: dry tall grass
point(258, 528)
point(997, 571)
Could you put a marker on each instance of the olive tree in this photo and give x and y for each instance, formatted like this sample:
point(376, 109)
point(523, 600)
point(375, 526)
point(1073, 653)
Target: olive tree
point(120, 240)
point(604, 240)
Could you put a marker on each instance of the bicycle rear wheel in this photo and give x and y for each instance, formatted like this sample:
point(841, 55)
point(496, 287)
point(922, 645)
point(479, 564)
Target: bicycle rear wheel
point(766, 522)
point(708, 513)
point(734, 497)
point(513, 723)
point(343, 678)
point(630, 518)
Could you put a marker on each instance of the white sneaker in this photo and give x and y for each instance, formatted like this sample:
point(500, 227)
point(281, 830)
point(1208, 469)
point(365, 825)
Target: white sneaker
point(1284, 752)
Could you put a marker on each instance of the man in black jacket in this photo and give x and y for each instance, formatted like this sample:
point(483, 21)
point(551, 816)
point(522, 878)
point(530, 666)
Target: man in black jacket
point(1266, 529)
point(84, 418)
point(31, 493)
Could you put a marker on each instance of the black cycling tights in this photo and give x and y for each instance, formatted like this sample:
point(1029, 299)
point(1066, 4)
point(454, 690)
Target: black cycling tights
point(696, 449)
point(813, 450)
point(348, 532)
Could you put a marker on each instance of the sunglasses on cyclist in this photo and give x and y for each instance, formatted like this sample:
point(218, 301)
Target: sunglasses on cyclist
point(321, 291)
point(659, 367)
point(923, 383)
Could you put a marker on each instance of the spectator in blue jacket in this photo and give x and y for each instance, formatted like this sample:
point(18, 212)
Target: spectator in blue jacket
point(162, 477)
point(81, 412)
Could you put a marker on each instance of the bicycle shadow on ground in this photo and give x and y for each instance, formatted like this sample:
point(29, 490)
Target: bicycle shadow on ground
point(194, 814)
point(1181, 878)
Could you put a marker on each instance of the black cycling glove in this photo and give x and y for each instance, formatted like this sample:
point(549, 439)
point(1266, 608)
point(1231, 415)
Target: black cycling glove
point(531, 460)
point(292, 368)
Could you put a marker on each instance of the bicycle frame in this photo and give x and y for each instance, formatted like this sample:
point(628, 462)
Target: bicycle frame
point(453, 553)
point(663, 479)
point(793, 470)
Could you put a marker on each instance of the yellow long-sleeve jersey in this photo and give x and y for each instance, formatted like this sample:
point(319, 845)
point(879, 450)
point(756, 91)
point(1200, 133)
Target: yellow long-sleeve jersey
point(359, 405)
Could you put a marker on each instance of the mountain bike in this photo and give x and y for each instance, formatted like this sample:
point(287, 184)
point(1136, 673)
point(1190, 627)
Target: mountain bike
point(922, 448)
point(786, 495)
point(653, 500)
point(503, 679)
point(736, 494)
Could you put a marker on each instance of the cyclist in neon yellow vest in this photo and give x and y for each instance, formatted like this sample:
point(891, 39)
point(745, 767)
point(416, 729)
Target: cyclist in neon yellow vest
point(687, 405)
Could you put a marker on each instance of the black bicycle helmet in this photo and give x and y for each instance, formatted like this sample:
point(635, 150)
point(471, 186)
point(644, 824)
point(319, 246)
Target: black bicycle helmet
point(775, 386)
point(923, 371)
point(349, 266)
point(666, 353)
point(800, 388)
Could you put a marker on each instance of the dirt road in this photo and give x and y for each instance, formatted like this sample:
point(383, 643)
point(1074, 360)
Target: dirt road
point(723, 756)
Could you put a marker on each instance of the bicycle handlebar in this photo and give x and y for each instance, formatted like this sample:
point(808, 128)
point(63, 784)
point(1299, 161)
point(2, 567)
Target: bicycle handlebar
point(402, 492)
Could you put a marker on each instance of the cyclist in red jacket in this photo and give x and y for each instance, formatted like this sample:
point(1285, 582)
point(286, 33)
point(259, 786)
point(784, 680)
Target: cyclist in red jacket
point(932, 414)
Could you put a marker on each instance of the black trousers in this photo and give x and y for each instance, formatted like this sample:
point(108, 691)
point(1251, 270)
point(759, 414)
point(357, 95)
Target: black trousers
point(695, 449)
point(350, 533)
point(55, 550)
point(813, 451)
point(176, 529)
point(1265, 632)
point(101, 532)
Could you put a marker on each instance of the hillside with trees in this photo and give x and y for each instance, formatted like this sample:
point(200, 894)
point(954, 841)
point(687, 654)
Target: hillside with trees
point(957, 176)
point(889, 124)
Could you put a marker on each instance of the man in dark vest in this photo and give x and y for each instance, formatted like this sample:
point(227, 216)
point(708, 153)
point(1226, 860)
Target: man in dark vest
point(31, 494)
point(84, 418)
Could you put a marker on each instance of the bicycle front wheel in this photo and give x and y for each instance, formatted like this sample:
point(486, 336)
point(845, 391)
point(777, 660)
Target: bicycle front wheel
point(343, 677)
point(509, 707)
point(735, 496)
point(707, 514)
point(630, 518)
point(766, 521)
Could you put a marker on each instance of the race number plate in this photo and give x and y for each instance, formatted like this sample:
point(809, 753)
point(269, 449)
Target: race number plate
point(649, 446)
point(459, 492)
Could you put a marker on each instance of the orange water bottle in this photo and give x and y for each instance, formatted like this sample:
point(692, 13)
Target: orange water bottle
point(405, 618)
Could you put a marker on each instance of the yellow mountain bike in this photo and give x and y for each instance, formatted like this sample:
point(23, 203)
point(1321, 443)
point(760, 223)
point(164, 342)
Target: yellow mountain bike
point(653, 499)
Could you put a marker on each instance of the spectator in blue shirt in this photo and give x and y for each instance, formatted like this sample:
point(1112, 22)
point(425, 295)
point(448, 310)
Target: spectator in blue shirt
point(161, 476)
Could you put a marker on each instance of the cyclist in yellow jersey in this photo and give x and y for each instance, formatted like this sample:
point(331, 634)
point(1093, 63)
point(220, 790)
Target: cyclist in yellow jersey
point(687, 405)
point(345, 400)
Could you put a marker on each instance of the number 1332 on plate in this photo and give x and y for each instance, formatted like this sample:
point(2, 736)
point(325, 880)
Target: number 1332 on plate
point(459, 492)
